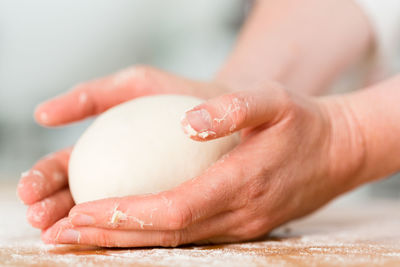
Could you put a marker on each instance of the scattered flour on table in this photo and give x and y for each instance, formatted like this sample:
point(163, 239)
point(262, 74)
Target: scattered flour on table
point(321, 239)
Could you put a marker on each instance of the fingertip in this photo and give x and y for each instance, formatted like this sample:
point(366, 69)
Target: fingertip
point(44, 213)
point(24, 196)
point(36, 216)
point(27, 191)
point(42, 116)
point(51, 234)
point(197, 124)
point(187, 128)
point(21, 192)
point(199, 119)
point(56, 111)
point(46, 237)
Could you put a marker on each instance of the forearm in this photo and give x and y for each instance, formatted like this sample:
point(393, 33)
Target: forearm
point(366, 133)
point(302, 44)
point(377, 111)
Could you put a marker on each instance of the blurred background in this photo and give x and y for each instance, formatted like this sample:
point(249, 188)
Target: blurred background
point(46, 47)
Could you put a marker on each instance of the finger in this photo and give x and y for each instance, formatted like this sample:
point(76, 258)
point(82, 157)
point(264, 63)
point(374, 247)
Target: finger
point(232, 112)
point(217, 228)
point(47, 176)
point(107, 219)
point(192, 201)
point(46, 212)
point(94, 97)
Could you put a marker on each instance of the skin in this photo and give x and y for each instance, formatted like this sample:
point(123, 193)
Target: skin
point(305, 45)
point(297, 152)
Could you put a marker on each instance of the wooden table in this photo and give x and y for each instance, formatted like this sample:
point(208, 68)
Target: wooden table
point(338, 235)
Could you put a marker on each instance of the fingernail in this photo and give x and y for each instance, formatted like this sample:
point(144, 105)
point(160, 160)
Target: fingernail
point(69, 236)
point(200, 119)
point(198, 123)
point(82, 220)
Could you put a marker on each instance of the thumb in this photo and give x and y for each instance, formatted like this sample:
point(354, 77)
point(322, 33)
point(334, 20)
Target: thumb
point(229, 113)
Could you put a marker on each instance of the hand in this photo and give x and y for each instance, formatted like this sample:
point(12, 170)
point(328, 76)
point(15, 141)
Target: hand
point(289, 163)
point(45, 187)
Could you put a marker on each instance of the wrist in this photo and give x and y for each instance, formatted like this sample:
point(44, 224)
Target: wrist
point(347, 154)
point(377, 110)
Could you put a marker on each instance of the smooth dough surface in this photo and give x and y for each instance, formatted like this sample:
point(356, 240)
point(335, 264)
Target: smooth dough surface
point(139, 147)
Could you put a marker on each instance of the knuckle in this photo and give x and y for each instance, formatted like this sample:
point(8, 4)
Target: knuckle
point(256, 188)
point(170, 239)
point(252, 230)
point(235, 106)
point(103, 239)
point(179, 217)
point(142, 76)
point(286, 100)
point(252, 192)
point(142, 72)
point(282, 96)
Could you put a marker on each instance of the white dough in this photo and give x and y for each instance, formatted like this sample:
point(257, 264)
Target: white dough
point(139, 147)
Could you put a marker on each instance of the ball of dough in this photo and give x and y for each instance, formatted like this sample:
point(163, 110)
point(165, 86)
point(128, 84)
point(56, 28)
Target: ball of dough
point(139, 147)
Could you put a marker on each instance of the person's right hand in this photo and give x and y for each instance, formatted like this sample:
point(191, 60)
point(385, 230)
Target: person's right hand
point(45, 187)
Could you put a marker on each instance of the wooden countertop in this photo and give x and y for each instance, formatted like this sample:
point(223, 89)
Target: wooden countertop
point(339, 235)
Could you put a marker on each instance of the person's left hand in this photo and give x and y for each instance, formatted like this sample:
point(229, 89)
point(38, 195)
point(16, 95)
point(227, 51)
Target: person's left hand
point(292, 159)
